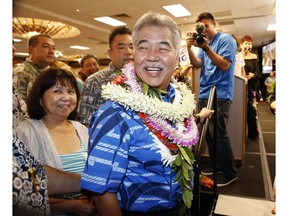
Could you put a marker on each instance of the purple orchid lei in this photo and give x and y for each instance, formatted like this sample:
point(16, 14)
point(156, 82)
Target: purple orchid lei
point(172, 126)
point(186, 137)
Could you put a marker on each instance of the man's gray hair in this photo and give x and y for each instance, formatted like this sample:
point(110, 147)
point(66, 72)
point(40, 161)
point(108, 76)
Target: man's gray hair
point(158, 19)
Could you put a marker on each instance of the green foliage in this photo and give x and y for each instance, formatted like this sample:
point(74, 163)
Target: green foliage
point(183, 166)
point(152, 91)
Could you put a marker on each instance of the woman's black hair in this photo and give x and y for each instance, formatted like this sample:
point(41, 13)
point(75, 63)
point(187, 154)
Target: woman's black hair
point(43, 82)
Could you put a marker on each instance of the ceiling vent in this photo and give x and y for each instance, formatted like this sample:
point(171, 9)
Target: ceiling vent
point(97, 40)
point(123, 15)
point(222, 23)
point(222, 13)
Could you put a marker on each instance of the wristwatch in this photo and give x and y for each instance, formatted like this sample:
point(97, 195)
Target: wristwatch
point(206, 48)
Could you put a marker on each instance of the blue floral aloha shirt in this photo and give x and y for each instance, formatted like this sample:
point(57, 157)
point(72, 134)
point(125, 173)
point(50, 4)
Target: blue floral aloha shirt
point(123, 159)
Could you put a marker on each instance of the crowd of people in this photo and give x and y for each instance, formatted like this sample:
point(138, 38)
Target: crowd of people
point(119, 140)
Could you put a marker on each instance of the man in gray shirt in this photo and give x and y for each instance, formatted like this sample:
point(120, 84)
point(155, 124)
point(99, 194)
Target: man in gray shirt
point(120, 53)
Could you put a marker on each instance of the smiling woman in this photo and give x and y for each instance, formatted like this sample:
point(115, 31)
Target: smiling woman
point(52, 135)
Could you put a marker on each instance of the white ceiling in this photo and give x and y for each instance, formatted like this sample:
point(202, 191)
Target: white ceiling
point(238, 17)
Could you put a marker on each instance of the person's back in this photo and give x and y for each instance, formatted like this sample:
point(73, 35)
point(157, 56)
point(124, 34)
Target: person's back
point(41, 55)
point(120, 53)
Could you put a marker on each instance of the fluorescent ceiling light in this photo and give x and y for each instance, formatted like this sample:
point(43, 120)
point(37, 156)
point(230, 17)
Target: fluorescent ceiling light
point(79, 47)
point(17, 40)
point(177, 10)
point(110, 21)
point(271, 27)
point(21, 54)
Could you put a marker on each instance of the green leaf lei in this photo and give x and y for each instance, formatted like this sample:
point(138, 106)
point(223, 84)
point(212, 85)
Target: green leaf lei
point(183, 166)
point(183, 163)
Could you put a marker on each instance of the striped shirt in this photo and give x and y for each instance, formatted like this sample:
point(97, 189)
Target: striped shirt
point(75, 162)
point(123, 159)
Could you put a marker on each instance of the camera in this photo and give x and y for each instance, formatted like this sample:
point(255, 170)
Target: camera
point(198, 35)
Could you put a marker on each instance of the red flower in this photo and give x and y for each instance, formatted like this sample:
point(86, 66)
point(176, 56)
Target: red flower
point(118, 79)
point(142, 115)
point(206, 182)
point(164, 139)
point(172, 146)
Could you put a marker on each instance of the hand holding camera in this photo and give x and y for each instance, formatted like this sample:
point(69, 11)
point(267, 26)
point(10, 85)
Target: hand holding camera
point(199, 34)
point(198, 37)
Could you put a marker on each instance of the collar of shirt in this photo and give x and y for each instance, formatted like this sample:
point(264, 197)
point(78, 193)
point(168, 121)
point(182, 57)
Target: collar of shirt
point(170, 95)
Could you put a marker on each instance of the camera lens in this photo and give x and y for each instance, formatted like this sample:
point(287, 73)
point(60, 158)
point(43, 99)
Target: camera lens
point(200, 40)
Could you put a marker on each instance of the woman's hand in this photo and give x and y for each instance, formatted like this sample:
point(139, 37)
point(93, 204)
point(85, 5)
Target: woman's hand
point(80, 207)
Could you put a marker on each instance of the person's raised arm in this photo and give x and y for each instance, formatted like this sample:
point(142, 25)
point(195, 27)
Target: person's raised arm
point(194, 60)
point(217, 59)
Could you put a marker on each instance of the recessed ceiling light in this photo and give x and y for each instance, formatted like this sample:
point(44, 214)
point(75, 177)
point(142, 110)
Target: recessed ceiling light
point(271, 27)
point(79, 47)
point(21, 54)
point(110, 21)
point(177, 10)
point(17, 40)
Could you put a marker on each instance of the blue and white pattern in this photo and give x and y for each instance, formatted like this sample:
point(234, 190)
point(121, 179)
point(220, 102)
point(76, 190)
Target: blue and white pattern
point(123, 158)
point(25, 198)
point(74, 162)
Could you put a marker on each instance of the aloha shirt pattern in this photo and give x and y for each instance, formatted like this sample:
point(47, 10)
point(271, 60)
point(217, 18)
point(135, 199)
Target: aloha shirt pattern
point(123, 158)
point(25, 198)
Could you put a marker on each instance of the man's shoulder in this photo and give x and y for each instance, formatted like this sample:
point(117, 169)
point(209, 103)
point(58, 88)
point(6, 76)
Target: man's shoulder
point(222, 36)
point(104, 72)
point(101, 76)
point(23, 68)
point(20, 67)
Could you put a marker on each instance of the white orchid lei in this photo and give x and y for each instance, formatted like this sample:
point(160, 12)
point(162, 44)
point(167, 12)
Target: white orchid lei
point(174, 142)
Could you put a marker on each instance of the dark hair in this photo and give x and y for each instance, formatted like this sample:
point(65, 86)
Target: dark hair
point(118, 31)
point(86, 57)
point(82, 76)
point(43, 82)
point(33, 40)
point(246, 38)
point(205, 15)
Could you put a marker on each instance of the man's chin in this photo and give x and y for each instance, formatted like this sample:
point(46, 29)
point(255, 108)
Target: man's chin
point(127, 61)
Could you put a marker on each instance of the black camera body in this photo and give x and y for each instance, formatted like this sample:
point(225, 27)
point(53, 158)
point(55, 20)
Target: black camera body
point(198, 35)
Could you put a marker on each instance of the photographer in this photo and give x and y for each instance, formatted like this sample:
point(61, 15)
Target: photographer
point(216, 57)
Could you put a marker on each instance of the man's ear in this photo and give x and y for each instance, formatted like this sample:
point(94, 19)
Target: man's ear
point(109, 52)
point(30, 49)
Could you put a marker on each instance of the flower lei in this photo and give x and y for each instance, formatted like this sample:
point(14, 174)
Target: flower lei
point(174, 143)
